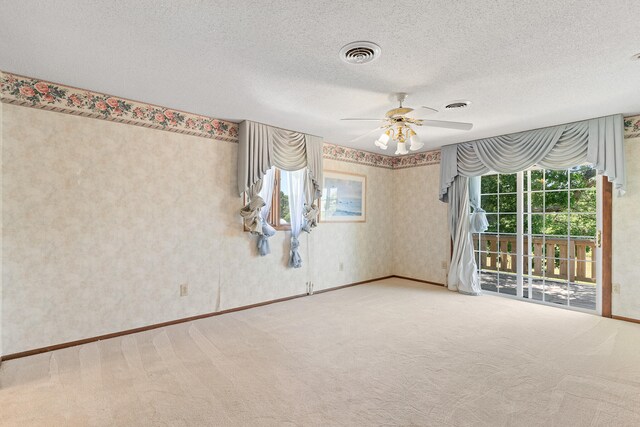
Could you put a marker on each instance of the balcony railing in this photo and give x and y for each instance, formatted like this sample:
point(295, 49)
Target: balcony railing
point(557, 258)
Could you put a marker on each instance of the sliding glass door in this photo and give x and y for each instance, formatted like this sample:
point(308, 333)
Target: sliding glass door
point(542, 241)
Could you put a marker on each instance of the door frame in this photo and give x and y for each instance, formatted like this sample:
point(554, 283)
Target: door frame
point(606, 248)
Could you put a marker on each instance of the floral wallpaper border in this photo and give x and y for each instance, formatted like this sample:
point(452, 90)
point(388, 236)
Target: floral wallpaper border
point(351, 155)
point(632, 127)
point(27, 91)
point(345, 154)
point(46, 95)
point(30, 92)
point(417, 159)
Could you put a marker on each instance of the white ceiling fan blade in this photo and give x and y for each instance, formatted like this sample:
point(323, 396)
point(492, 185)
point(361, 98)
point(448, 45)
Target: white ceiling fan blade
point(447, 125)
point(421, 110)
point(367, 134)
point(429, 108)
point(368, 120)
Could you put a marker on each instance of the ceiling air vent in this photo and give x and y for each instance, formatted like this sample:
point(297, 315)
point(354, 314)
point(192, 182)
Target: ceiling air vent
point(360, 52)
point(457, 104)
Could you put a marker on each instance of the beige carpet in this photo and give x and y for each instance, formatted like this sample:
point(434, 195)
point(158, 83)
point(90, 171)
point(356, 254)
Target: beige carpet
point(388, 353)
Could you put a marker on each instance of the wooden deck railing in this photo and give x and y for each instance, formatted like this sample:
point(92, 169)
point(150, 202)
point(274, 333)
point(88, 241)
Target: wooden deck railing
point(552, 258)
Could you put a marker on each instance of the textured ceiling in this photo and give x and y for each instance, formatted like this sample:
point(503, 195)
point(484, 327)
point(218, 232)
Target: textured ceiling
point(523, 64)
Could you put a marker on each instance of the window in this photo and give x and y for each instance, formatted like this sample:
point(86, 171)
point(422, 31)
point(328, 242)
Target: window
point(279, 216)
point(542, 237)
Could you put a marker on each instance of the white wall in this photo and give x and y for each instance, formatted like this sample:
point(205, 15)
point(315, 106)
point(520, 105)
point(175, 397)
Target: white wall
point(421, 241)
point(626, 238)
point(363, 248)
point(1, 224)
point(103, 221)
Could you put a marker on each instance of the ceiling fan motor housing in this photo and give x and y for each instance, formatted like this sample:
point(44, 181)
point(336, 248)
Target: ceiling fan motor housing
point(398, 112)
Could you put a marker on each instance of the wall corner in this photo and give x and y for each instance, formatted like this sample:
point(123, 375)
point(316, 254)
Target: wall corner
point(1, 221)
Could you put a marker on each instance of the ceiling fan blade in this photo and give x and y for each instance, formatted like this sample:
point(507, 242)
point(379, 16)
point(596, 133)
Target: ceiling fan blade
point(368, 120)
point(366, 134)
point(429, 108)
point(420, 110)
point(445, 124)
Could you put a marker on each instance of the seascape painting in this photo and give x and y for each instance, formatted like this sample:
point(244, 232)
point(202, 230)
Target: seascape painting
point(343, 198)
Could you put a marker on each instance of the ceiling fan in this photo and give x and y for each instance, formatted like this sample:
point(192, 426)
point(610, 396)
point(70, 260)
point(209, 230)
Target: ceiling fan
point(397, 125)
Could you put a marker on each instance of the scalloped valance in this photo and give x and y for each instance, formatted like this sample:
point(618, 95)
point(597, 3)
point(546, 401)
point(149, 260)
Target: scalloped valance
point(597, 141)
point(262, 147)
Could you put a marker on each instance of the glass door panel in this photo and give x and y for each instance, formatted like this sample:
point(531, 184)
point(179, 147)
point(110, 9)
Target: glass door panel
point(557, 232)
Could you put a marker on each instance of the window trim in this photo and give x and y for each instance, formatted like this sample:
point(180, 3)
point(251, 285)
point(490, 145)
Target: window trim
point(274, 213)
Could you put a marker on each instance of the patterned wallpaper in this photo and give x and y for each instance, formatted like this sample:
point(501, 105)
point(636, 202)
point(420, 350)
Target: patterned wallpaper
point(420, 225)
point(351, 155)
point(632, 127)
point(27, 91)
point(626, 228)
point(102, 223)
point(159, 212)
point(42, 94)
point(345, 154)
point(30, 92)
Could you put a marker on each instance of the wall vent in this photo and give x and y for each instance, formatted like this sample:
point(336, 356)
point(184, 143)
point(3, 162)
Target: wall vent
point(360, 52)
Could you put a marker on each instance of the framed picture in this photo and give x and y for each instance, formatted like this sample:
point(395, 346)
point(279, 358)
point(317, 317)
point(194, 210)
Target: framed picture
point(344, 197)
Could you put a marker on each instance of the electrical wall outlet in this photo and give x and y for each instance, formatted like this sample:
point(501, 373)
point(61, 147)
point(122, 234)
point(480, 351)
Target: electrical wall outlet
point(341, 266)
point(616, 288)
point(443, 265)
point(184, 289)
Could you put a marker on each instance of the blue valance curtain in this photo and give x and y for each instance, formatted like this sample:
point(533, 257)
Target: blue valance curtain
point(262, 147)
point(598, 142)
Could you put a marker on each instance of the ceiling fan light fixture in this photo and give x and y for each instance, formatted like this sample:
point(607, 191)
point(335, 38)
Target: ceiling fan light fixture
point(383, 140)
point(381, 145)
point(399, 127)
point(402, 148)
point(416, 144)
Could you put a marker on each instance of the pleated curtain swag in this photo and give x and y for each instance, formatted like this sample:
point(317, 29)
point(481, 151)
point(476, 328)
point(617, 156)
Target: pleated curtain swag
point(598, 142)
point(261, 148)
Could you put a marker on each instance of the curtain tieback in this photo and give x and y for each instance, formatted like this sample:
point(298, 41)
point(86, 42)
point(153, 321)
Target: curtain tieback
point(251, 215)
point(478, 221)
point(263, 239)
point(310, 217)
point(295, 260)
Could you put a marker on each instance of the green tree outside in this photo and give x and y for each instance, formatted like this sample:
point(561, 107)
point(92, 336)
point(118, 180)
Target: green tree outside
point(284, 208)
point(562, 202)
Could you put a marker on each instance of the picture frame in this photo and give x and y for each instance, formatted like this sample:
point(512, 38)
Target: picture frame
point(344, 197)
